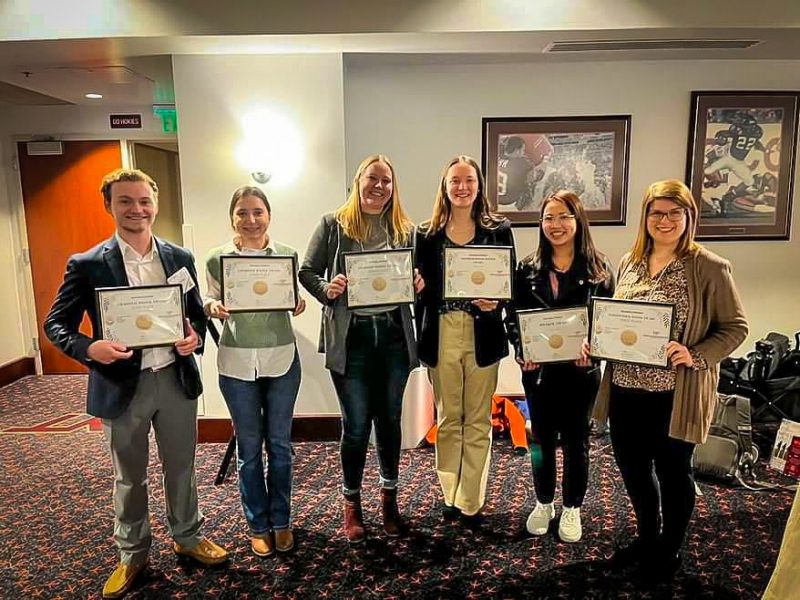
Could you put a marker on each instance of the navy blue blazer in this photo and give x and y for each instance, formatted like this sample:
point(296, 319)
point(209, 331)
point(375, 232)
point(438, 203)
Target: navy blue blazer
point(111, 387)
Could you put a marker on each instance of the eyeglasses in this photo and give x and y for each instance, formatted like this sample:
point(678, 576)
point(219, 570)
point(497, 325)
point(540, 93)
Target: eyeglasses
point(674, 215)
point(560, 219)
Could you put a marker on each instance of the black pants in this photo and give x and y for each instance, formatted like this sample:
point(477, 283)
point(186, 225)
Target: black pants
point(371, 391)
point(656, 469)
point(560, 398)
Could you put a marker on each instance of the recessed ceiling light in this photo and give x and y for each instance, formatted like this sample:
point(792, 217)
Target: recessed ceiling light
point(93, 96)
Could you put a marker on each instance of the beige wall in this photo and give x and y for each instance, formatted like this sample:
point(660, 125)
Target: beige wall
point(419, 115)
point(163, 166)
point(213, 95)
point(423, 115)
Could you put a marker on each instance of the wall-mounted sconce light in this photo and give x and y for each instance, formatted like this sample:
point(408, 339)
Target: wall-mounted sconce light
point(272, 149)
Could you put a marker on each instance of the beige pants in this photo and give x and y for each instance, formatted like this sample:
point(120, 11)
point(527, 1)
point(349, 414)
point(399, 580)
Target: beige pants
point(464, 414)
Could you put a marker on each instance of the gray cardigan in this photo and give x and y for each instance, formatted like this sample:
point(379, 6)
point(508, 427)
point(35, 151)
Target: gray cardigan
point(322, 262)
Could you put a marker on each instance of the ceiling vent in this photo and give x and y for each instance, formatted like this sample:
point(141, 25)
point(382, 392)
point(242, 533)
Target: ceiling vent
point(639, 45)
point(45, 148)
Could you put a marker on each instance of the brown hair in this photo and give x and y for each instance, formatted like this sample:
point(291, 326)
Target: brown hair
point(585, 252)
point(248, 190)
point(351, 218)
point(481, 212)
point(668, 189)
point(119, 175)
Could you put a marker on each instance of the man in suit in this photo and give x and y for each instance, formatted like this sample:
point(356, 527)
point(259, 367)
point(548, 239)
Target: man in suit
point(134, 389)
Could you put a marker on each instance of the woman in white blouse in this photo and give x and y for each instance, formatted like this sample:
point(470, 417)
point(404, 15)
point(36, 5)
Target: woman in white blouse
point(259, 375)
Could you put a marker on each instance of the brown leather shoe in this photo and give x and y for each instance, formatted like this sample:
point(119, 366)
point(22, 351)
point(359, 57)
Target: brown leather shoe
point(206, 552)
point(392, 521)
point(121, 580)
point(262, 545)
point(353, 519)
point(284, 539)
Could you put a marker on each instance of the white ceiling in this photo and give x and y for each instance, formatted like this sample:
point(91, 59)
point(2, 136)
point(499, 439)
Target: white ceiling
point(128, 60)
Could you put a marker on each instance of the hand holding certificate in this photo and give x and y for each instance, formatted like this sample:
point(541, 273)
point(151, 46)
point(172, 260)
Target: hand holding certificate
point(631, 331)
point(143, 316)
point(259, 283)
point(477, 272)
point(379, 278)
point(553, 335)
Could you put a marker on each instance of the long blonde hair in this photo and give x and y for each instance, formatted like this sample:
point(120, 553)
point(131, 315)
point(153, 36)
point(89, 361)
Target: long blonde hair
point(668, 189)
point(351, 217)
point(481, 213)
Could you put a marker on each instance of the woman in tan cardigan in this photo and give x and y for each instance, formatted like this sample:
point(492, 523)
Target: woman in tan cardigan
point(658, 415)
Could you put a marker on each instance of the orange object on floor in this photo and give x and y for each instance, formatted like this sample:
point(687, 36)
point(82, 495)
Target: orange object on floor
point(506, 417)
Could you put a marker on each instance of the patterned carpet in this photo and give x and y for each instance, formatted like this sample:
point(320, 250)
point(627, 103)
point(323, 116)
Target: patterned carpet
point(56, 525)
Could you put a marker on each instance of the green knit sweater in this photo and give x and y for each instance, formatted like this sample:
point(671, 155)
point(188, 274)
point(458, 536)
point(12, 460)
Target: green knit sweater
point(252, 330)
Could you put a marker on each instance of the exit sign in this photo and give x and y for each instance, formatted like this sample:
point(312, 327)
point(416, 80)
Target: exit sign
point(126, 121)
point(168, 116)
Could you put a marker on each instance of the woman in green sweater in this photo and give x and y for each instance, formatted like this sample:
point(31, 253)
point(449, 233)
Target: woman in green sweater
point(259, 375)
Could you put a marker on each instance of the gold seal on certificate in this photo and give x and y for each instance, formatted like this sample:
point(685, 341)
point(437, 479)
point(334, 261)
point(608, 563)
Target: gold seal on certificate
point(553, 334)
point(472, 272)
point(141, 317)
point(258, 283)
point(631, 331)
point(379, 278)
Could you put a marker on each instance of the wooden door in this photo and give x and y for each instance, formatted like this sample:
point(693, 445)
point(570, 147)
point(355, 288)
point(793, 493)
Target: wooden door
point(64, 214)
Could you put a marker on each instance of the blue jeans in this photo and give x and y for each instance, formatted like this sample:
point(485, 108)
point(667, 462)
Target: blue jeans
point(262, 415)
point(371, 390)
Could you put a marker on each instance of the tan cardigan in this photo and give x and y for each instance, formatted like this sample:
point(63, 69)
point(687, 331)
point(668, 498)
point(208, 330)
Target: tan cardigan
point(715, 327)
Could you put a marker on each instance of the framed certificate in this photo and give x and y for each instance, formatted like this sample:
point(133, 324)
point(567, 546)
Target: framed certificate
point(258, 283)
point(472, 272)
point(379, 278)
point(553, 334)
point(631, 331)
point(142, 316)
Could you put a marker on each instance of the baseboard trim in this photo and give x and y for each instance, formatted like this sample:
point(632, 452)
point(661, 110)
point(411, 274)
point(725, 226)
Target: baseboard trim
point(305, 428)
point(17, 370)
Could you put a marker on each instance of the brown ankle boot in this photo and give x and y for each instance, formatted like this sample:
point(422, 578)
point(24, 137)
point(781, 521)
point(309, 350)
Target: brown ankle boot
point(392, 522)
point(353, 518)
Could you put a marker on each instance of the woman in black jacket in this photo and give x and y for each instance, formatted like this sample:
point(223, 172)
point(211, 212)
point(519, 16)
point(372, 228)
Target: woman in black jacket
point(461, 341)
point(565, 271)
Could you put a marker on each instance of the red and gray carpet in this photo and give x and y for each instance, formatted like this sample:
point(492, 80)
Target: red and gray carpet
point(56, 525)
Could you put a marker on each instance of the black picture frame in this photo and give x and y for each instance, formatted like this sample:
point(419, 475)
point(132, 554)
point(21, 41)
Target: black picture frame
point(588, 155)
point(740, 163)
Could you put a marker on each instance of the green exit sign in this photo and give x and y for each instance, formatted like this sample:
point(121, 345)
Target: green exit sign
point(168, 116)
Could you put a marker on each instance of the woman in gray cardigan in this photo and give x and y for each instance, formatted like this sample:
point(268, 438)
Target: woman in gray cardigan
point(657, 415)
point(371, 351)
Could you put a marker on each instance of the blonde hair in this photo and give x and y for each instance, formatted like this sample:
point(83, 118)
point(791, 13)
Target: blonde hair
point(351, 217)
point(481, 213)
point(119, 175)
point(677, 192)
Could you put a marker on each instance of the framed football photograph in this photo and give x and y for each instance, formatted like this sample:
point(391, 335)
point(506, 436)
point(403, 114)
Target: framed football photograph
point(527, 159)
point(740, 163)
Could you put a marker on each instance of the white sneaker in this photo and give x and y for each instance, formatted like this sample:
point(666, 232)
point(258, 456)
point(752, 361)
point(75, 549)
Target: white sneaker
point(539, 520)
point(569, 526)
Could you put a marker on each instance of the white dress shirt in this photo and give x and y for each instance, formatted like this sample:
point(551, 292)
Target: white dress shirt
point(248, 364)
point(147, 270)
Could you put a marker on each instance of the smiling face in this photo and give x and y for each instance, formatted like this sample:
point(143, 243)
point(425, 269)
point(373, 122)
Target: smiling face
point(251, 220)
point(375, 186)
point(461, 185)
point(133, 205)
point(666, 222)
point(558, 224)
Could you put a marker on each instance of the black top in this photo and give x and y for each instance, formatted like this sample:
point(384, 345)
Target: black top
point(532, 289)
point(491, 342)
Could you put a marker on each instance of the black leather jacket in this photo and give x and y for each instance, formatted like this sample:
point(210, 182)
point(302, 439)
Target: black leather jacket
point(532, 289)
